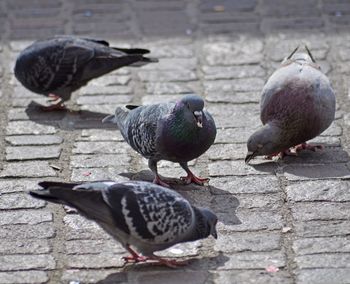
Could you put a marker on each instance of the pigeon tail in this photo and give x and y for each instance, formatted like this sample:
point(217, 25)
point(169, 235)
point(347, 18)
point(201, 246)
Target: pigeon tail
point(119, 117)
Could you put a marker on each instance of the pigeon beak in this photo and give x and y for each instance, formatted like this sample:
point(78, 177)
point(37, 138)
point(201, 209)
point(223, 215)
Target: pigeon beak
point(250, 155)
point(214, 233)
point(199, 118)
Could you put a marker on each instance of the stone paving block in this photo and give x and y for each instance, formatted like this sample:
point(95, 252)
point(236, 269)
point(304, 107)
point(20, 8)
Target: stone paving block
point(101, 260)
point(100, 147)
point(8, 186)
point(298, 23)
point(321, 211)
point(78, 247)
point(252, 276)
point(173, 64)
point(24, 140)
point(99, 161)
point(19, 201)
point(100, 100)
point(232, 53)
point(104, 109)
point(233, 135)
point(180, 75)
point(323, 228)
point(92, 174)
point(272, 8)
point(251, 220)
point(323, 275)
point(28, 169)
point(21, 153)
point(321, 245)
point(169, 277)
point(111, 80)
point(26, 262)
point(326, 260)
point(159, 88)
point(245, 185)
point(28, 127)
point(92, 90)
point(227, 152)
point(233, 97)
point(250, 201)
point(168, 48)
point(100, 135)
point(22, 231)
point(307, 172)
point(210, 5)
point(232, 72)
point(234, 85)
point(151, 99)
point(325, 190)
point(239, 168)
point(24, 277)
point(241, 242)
point(90, 276)
point(254, 260)
point(31, 217)
point(24, 246)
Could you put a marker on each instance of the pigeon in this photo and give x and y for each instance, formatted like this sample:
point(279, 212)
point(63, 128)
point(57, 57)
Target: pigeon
point(297, 104)
point(142, 216)
point(58, 66)
point(176, 131)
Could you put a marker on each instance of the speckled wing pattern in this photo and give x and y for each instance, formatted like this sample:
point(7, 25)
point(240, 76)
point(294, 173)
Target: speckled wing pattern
point(152, 213)
point(142, 127)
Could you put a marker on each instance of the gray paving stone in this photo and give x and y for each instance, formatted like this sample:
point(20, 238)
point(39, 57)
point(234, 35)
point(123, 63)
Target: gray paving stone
point(298, 23)
point(18, 185)
point(233, 135)
point(251, 276)
point(160, 88)
point(101, 260)
point(321, 245)
point(89, 276)
point(92, 90)
point(26, 262)
point(28, 127)
point(31, 217)
point(77, 247)
point(254, 260)
point(328, 260)
point(242, 185)
point(307, 172)
point(28, 169)
point(100, 147)
point(21, 153)
point(233, 97)
point(92, 174)
point(19, 201)
point(227, 152)
point(321, 211)
point(151, 99)
point(232, 72)
point(173, 64)
point(323, 275)
point(325, 190)
point(323, 228)
point(99, 161)
point(271, 8)
point(24, 246)
point(167, 75)
point(234, 85)
point(24, 140)
point(250, 201)
point(169, 47)
point(241, 242)
point(239, 168)
point(23, 231)
point(103, 99)
point(169, 277)
point(100, 135)
point(111, 80)
point(23, 277)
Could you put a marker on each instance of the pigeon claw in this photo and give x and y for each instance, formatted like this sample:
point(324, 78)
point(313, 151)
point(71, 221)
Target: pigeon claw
point(135, 258)
point(305, 146)
point(192, 178)
point(157, 180)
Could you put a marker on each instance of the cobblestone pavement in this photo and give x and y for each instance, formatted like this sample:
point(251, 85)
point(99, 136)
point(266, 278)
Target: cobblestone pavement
point(293, 214)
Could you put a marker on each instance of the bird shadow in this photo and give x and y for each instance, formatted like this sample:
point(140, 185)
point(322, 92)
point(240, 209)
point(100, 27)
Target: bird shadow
point(331, 162)
point(197, 271)
point(220, 201)
point(67, 119)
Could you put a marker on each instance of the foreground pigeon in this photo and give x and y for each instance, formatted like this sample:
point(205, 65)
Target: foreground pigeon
point(143, 215)
point(177, 131)
point(297, 104)
point(58, 66)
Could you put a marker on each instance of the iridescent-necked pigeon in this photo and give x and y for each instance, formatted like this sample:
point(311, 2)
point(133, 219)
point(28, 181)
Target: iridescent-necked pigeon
point(298, 103)
point(143, 215)
point(58, 66)
point(176, 131)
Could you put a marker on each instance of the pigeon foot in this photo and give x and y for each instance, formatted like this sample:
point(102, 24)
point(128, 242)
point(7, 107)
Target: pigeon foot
point(134, 257)
point(172, 263)
point(157, 180)
point(192, 178)
point(305, 146)
point(282, 154)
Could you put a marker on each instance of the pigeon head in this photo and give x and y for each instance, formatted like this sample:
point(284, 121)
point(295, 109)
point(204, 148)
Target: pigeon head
point(206, 223)
point(264, 141)
point(300, 57)
point(193, 108)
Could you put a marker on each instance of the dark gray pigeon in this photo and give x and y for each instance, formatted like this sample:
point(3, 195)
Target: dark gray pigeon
point(58, 66)
point(143, 215)
point(176, 131)
point(298, 103)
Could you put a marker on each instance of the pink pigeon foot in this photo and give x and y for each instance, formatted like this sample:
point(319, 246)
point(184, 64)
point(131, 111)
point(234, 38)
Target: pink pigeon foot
point(134, 257)
point(192, 178)
point(157, 180)
point(281, 154)
point(172, 263)
point(305, 146)
point(58, 106)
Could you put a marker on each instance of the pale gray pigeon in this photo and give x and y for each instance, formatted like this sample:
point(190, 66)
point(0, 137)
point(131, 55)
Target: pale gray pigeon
point(297, 104)
point(140, 215)
point(58, 66)
point(176, 131)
